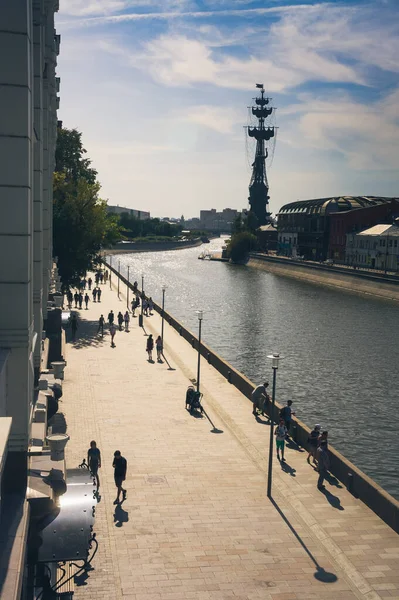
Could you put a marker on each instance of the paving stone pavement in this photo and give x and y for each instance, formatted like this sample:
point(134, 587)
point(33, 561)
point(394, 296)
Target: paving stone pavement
point(197, 522)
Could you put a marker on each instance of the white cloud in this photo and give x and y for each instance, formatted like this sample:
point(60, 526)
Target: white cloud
point(217, 118)
point(366, 134)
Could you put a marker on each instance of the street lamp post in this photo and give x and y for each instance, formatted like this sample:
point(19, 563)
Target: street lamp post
point(127, 291)
point(142, 297)
point(163, 310)
point(110, 272)
point(200, 315)
point(119, 272)
point(275, 358)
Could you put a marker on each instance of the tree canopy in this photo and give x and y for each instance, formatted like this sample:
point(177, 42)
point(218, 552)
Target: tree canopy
point(81, 224)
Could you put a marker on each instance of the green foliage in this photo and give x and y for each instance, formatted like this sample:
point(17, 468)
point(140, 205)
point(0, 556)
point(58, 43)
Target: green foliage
point(81, 224)
point(240, 245)
point(135, 228)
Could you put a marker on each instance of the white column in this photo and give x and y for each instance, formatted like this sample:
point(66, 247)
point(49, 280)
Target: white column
point(16, 212)
point(38, 67)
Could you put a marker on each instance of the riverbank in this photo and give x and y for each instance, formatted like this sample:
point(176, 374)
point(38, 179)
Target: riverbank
point(386, 287)
point(127, 247)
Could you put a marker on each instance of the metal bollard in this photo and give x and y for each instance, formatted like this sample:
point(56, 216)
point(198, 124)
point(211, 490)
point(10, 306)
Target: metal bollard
point(349, 486)
point(229, 376)
point(209, 357)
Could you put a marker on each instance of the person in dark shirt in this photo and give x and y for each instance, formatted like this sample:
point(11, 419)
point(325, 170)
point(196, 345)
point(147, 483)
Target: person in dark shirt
point(94, 461)
point(120, 466)
point(313, 443)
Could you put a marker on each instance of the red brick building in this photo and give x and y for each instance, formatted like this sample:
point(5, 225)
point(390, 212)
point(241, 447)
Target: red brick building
point(358, 219)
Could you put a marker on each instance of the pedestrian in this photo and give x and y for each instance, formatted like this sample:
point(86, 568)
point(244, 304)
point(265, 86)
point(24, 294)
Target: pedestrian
point(159, 347)
point(280, 432)
point(112, 330)
point(101, 322)
point(313, 442)
point(90, 281)
point(111, 317)
point(80, 300)
point(323, 438)
point(87, 298)
point(70, 298)
point(74, 326)
point(286, 413)
point(135, 287)
point(105, 276)
point(94, 294)
point(76, 298)
point(133, 306)
point(120, 468)
point(97, 278)
point(99, 292)
point(150, 305)
point(120, 320)
point(84, 282)
point(126, 318)
point(94, 461)
point(323, 464)
point(101, 277)
point(260, 398)
point(150, 347)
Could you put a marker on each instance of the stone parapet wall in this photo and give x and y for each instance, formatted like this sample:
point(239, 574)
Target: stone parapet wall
point(373, 284)
point(357, 482)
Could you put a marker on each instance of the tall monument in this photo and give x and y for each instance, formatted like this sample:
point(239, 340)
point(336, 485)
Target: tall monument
point(262, 132)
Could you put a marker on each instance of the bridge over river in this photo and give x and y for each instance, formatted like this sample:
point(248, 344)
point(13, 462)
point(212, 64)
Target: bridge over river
point(341, 350)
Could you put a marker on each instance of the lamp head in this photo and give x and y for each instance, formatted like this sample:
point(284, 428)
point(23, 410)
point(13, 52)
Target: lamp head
point(163, 287)
point(200, 314)
point(275, 358)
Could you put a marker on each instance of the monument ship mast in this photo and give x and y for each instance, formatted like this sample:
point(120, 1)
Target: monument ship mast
point(259, 187)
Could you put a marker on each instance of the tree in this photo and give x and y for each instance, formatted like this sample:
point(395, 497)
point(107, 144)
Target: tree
point(81, 224)
point(240, 245)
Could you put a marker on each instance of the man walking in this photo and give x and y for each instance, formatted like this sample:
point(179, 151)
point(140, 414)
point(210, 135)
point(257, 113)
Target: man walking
point(286, 414)
point(94, 461)
point(76, 298)
point(280, 433)
point(111, 317)
point(259, 398)
point(101, 322)
point(323, 464)
point(120, 467)
point(94, 294)
point(99, 292)
point(90, 281)
point(87, 298)
point(112, 330)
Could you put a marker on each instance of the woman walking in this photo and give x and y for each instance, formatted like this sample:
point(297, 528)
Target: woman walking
point(120, 320)
point(159, 347)
point(150, 347)
point(112, 330)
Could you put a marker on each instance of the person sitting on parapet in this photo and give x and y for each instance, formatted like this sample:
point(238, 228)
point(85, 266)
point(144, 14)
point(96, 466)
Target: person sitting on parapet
point(260, 399)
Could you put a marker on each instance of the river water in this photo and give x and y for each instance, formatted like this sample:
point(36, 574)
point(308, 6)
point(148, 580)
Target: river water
point(341, 365)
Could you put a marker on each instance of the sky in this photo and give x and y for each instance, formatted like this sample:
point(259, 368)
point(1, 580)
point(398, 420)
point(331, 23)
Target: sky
point(160, 90)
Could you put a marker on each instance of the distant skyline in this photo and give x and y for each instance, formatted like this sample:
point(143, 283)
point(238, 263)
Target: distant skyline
point(160, 89)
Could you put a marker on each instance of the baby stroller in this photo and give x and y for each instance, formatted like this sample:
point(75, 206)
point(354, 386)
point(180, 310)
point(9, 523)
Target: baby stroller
point(193, 400)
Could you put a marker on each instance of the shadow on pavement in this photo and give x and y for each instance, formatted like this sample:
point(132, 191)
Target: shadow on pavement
point(287, 468)
point(320, 574)
point(261, 421)
point(333, 500)
point(58, 423)
point(86, 335)
point(333, 481)
point(293, 445)
point(120, 515)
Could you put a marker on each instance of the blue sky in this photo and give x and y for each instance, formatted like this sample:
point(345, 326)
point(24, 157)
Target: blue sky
point(160, 90)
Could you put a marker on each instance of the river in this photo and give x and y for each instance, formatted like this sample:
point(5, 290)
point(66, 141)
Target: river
point(341, 365)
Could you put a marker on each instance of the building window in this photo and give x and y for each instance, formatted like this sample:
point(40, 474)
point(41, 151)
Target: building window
point(395, 244)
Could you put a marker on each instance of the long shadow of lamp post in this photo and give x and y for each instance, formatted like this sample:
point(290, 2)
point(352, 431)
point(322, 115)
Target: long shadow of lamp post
point(110, 272)
point(275, 358)
point(127, 290)
point(200, 315)
point(163, 310)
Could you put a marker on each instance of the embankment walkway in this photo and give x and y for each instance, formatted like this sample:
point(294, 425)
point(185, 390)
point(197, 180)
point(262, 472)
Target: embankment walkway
point(197, 522)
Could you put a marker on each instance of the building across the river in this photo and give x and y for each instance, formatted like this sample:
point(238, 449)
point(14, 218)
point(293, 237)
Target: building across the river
point(142, 215)
point(376, 247)
point(352, 221)
point(304, 226)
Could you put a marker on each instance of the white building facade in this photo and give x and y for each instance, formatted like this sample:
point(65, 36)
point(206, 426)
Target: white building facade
point(29, 47)
point(375, 248)
point(142, 215)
